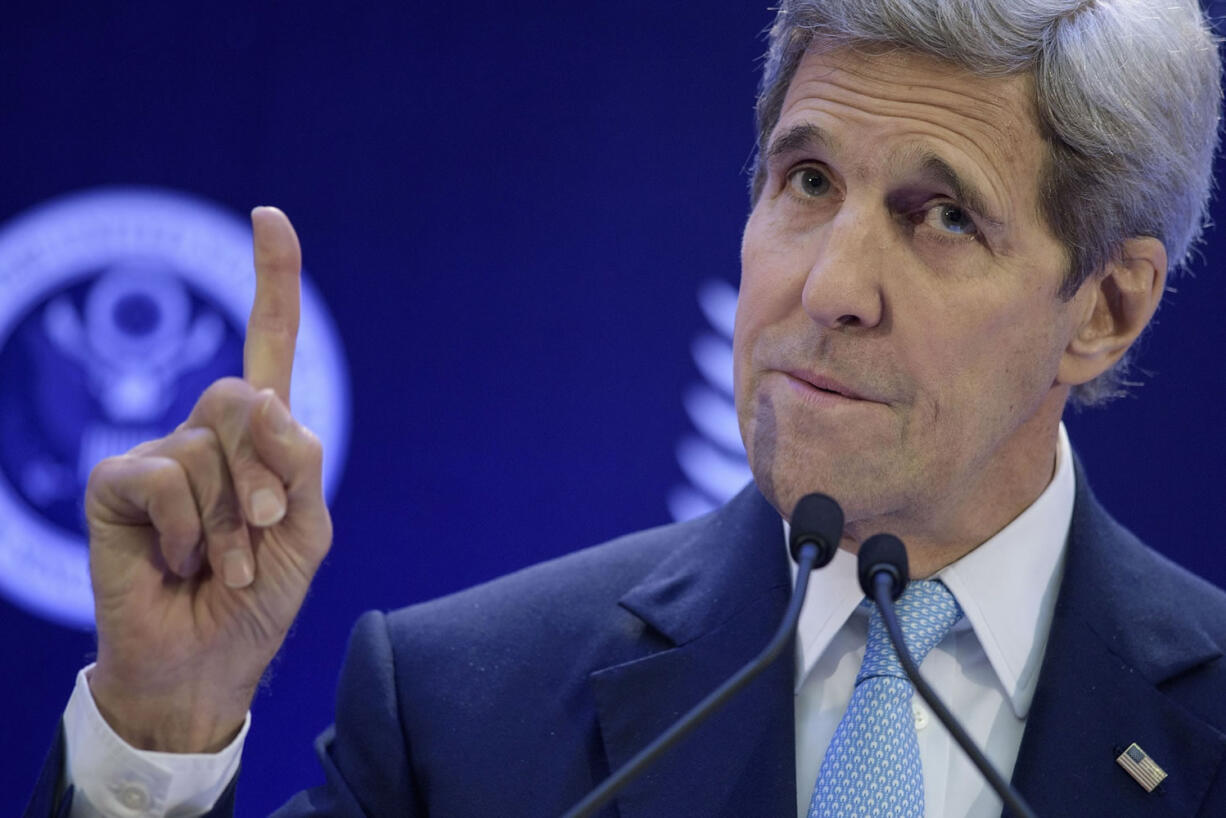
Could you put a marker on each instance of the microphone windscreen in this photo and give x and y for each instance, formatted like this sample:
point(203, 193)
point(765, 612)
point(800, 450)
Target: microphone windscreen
point(816, 519)
point(883, 552)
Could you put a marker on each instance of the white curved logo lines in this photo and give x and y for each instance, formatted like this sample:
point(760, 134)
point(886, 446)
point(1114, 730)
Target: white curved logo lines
point(712, 458)
point(117, 307)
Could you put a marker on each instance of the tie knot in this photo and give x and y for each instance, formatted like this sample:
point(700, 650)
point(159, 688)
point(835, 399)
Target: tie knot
point(926, 612)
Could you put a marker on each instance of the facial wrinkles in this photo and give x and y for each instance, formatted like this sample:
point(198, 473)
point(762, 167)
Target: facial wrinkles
point(977, 135)
point(797, 342)
point(986, 102)
point(862, 367)
point(906, 127)
point(986, 129)
point(954, 357)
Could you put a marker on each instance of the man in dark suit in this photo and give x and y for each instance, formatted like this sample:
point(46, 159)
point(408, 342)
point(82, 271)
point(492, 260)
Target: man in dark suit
point(964, 216)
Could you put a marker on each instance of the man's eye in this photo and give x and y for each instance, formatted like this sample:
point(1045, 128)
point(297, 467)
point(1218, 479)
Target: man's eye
point(809, 182)
point(950, 218)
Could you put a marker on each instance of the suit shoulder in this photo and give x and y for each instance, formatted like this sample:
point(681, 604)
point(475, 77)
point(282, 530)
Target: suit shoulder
point(1156, 615)
point(1163, 589)
point(531, 638)
point(560, 597)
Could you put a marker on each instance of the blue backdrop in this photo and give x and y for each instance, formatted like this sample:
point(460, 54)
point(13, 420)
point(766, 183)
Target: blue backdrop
point(508, 211)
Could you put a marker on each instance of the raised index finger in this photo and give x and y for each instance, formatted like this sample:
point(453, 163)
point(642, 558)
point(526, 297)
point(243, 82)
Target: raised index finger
point(272, 329)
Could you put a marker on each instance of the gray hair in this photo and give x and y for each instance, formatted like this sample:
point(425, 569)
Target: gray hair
point(1128, 96)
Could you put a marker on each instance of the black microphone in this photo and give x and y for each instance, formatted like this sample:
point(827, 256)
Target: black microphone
point(817, 520)
point(882, 567)
point(817, 527)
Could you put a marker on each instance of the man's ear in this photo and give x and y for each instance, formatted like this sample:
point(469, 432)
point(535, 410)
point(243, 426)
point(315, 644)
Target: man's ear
point(1113, 308)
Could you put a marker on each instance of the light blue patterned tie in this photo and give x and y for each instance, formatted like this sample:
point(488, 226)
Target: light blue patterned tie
point(872, 766)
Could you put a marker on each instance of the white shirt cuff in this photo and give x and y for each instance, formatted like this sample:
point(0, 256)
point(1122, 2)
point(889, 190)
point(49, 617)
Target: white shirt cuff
point(113, 779)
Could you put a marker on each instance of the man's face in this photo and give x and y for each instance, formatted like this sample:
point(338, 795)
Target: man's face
point(898, 332)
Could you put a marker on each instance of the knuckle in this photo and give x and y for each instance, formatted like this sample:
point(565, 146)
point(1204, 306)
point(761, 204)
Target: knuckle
point(221, 396)
point(248, 473)
point(155, 472)
point(196, 452)
point(311, 448)
point(105, 469)
point(165, 477)
point(324, 542)
point(103, 483)
point(198, 448)
point(147, 447)
point(276, 323)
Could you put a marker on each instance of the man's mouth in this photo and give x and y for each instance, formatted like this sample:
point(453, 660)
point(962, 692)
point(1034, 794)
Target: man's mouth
point(824, 383)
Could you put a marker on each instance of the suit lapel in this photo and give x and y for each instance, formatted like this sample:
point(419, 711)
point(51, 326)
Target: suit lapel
point(1116, 638)
point(717, 599)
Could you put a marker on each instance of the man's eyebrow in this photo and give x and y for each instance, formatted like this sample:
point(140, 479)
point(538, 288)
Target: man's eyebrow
point(798, 138)
point(808, 137)
point(965, 192)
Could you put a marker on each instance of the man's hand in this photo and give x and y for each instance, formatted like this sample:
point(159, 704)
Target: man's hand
point(203, 543)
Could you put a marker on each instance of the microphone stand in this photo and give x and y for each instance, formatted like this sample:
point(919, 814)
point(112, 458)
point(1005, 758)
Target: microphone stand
point(883, 595)
point(598, 797)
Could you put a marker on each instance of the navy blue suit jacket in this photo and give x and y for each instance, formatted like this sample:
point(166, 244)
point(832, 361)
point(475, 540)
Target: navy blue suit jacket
point(518, 696)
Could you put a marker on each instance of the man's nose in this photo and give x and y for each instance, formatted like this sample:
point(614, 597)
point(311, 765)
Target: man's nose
point(843, 288)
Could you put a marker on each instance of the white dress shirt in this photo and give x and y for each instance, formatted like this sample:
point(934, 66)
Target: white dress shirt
point(115, 780)
point(985, 670)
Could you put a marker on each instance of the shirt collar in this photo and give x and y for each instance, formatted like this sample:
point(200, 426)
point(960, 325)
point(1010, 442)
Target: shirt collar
point(1007, 589)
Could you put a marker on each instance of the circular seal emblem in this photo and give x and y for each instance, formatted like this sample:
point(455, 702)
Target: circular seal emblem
point(118, 306)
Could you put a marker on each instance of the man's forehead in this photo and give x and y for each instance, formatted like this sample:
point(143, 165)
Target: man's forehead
point(928, 118)
point(904, 81)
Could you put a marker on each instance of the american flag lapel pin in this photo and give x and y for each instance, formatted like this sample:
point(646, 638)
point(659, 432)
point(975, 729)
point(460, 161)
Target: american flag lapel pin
point(1141, 767)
